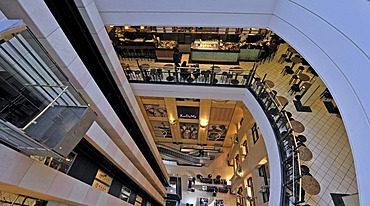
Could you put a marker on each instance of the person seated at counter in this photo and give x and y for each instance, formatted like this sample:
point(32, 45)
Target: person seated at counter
point(184, 64)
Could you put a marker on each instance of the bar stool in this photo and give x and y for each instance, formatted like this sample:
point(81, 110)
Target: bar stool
point(196, 74)
point(184, 74)
point(235, 81)
point(223, 76)
point(159, 74)
point(228, 77)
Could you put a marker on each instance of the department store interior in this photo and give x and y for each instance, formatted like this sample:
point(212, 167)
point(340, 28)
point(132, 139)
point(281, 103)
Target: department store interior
point(217, 116)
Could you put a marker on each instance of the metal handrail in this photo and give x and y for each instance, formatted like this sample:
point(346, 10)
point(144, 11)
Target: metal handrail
point(250, 83)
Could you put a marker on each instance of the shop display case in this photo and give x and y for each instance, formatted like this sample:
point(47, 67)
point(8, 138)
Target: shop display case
point(206, 45)
point(214, 51)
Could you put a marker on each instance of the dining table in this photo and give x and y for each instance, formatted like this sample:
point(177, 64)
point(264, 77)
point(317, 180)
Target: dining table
point(291, 50)
point(305, 154)
point(282, 101)
point(302, 77)
point(310, 185)
point(269, 83)
point(297, 126)
point(295, 60)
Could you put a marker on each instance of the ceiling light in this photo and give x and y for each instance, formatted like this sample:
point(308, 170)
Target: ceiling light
point(263, 161)
point(172, 121)
point(203, 123)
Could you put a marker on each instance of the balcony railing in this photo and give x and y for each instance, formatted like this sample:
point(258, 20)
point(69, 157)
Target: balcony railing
point(238, 77)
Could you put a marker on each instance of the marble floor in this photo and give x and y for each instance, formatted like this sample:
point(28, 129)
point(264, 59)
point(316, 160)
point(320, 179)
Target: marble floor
point(332, 164)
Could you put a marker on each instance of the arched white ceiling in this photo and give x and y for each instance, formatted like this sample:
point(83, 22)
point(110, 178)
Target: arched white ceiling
point(333, 36)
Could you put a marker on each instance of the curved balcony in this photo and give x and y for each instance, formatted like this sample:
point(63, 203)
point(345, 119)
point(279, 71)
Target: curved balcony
point(286, 138)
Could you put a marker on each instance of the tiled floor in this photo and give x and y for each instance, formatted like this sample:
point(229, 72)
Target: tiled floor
point(218, 167)
point(332, 163)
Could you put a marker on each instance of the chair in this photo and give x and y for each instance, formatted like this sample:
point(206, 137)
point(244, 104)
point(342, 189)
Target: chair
point(131, 53)
point(152, 54)
point(301, 139)
point(129, 72)
point(282, 58)
point(184, 74)
point(287, 70)
point(196, 74)
point(153, 74)
point(245, 79)
point(206, 75)
point(294, 89)
point(125, 53)
point(305, 170)
point(229, 76)
point(293, 79)
point(138, 53)
point(137, 74)
point(159, 74)
point(146, 53)
point(299, 70)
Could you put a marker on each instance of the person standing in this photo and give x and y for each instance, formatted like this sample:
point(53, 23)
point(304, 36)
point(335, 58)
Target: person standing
point(176, 57)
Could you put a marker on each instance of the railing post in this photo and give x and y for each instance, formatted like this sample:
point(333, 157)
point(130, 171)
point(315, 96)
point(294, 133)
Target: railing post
point(176, 75)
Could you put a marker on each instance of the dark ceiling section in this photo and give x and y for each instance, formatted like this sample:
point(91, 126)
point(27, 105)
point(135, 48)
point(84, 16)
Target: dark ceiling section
point(73, 25)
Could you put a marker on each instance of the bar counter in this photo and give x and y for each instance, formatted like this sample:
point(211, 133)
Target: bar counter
point(216, 56)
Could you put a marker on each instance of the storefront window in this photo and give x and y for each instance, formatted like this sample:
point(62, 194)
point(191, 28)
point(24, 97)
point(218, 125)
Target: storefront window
point(255, 133)
point(60, 164)
point(102, 181)
point(125, 193)
point(138, 200)
point(245, 148)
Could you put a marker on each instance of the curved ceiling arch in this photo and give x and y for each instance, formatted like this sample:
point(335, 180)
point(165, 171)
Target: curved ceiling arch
point(337, 53)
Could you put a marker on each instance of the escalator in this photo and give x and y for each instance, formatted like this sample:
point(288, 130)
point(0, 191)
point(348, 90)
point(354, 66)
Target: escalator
point(169, 153)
